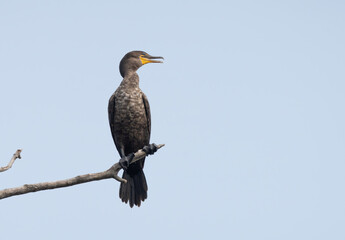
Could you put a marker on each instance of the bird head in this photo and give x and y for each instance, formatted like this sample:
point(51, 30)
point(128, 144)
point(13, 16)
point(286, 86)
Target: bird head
point(132, 61)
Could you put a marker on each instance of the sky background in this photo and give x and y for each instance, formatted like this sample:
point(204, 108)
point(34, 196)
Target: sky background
point(249, 102)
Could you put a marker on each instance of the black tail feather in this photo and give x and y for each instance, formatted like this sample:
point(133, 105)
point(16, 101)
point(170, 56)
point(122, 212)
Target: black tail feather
point(135, 190)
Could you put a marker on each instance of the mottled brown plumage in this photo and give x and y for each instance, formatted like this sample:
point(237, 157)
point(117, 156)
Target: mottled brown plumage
point(130, 124)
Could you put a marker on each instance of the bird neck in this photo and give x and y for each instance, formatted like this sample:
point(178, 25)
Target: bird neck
point(131, 79)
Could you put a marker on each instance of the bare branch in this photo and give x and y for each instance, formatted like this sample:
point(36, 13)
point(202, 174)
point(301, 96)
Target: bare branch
point(15, 156)
point(110, 173)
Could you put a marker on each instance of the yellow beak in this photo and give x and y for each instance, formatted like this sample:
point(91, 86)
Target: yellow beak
point(149, 59)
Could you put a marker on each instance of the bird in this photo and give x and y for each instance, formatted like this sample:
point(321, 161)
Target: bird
point(130, 124)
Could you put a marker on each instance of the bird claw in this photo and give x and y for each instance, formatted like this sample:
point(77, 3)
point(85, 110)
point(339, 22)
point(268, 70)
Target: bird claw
point(126, 161)
point(150, 149)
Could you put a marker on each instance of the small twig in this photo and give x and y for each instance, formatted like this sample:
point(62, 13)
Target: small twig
point(110, 173)
point(15, 156)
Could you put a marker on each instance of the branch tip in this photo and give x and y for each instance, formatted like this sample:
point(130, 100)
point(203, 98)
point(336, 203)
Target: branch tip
point(9, 165)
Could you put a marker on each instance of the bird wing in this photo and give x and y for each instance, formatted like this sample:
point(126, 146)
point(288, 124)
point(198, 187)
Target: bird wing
point(111, 115)
point(148, 113)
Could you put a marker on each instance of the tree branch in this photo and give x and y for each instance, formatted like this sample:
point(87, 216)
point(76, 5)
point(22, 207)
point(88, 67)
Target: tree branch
point(110, 173)
point(9, 165)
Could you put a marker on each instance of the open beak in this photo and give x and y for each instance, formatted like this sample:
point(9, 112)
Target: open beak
point(150, 59)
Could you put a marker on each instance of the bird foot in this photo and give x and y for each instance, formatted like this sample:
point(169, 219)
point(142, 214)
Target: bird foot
point(150, 149)
point(126, 161)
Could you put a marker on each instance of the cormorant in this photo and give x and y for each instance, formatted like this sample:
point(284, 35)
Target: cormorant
point(130, 124)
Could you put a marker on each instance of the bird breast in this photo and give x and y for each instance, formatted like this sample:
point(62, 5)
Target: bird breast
point(130, 108)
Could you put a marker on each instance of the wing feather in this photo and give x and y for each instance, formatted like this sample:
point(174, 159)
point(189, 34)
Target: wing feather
point(111, 115)
point(148, 113)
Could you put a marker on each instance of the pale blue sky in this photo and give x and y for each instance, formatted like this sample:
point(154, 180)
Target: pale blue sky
point(249, 102)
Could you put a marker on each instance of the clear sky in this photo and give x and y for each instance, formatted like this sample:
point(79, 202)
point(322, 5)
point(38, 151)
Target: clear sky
point(249, 102)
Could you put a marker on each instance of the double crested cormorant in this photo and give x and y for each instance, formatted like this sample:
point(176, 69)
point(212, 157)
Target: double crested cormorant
point(130, 124)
